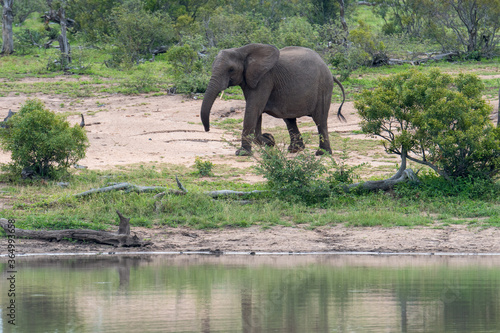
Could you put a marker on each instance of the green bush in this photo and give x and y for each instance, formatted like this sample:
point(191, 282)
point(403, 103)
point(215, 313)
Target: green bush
point(294, 177)
point(296, 31)
point(138, 33)
point(227, 30)
point(432, 186)
point(439, 120)
point(364, 38)
point(204, 167)
point(143, 80)
point(190, 72)
point(41, 141)
point(304, 177)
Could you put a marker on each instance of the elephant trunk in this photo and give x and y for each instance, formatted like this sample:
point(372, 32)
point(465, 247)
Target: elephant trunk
point(213, 89)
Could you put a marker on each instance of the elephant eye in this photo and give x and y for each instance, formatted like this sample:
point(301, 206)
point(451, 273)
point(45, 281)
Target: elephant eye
point(231, 69)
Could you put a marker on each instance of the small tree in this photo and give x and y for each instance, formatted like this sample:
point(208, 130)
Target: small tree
point(436, 120)
point(41, 141)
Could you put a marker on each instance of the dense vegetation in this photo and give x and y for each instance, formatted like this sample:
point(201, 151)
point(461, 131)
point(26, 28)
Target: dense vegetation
point(191, 32)
point(118, 44)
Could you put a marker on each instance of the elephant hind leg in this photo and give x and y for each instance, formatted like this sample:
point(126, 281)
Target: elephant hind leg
point(324, 139)
point(296, 142)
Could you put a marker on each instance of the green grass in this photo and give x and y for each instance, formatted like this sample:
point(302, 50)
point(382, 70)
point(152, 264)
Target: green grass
point(37, 205)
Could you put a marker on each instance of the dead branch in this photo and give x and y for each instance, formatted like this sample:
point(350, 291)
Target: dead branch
point(403, 175)
point(385, 184)
point(420, 61)
point(120, 239)
point(181, 187)
point(121, 186)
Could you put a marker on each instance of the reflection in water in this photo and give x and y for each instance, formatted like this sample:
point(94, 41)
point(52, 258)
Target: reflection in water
point(196, 293)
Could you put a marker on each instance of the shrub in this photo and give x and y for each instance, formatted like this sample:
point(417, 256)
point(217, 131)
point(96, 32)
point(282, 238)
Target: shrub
point(189, 70)
point(436, 120)
point(41, 141)
point(226, 30)
point(138, 33)
point(294, 177)
point(143, 80)
point(204, 167)
point(296, 31)
point(364, 38)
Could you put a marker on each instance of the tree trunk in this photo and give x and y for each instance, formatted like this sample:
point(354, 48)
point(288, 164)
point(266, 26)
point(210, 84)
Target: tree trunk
point(403, 175)
point(7, 19)
point(342, 20)
point(63, 39)
point(59, 16)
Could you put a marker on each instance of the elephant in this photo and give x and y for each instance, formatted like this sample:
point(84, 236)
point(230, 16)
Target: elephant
point(288, 83)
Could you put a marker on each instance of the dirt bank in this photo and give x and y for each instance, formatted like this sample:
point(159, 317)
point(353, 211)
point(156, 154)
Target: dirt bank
point(453, 238)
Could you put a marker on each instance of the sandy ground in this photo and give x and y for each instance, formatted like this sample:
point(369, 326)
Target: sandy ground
point(167, 129)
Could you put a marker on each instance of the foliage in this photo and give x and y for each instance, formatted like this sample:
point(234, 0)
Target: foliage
point(26, 39)
point(432, 187)
point(303, 176)
point(190, 71)
point(137, 33)
point(296, 31)
point(225, 30)
point(41, 141)
point(364, 37)
point(342, 173)
point(402, 16)
point(24, 8)
point(466, 26)
point(439, 120)
point(204, 167)
point(143, 80)
point(294, 177)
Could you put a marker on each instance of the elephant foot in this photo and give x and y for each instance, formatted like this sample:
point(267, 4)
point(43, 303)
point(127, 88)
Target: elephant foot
point(320, 152)
point(296, 147)
point(268, 140)
point(243, 152)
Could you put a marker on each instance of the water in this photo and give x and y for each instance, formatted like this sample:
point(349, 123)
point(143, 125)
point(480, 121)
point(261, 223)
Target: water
point(199, 293)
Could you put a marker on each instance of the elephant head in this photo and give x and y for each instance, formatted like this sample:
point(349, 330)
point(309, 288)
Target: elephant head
point(244, 66)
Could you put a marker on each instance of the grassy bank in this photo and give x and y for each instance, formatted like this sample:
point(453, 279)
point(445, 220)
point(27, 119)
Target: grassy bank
point(45, 204)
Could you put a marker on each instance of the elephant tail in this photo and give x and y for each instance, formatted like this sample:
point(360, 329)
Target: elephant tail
point(339, 112)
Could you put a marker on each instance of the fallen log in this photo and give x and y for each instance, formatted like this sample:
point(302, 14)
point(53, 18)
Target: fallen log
point(419, 61)
point(386, 184)
point(120, 239)
point(403, 175)
point(121, 186)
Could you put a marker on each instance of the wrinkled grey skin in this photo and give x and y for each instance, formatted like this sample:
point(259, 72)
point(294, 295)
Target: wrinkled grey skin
point(288, 83)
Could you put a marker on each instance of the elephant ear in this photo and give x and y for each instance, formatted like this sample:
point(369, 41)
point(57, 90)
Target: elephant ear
point(259, 60)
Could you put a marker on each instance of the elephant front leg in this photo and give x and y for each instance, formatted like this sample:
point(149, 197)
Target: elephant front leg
point(248, 135)
point(256, 101)
point(296, 142)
